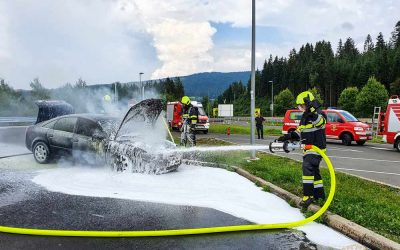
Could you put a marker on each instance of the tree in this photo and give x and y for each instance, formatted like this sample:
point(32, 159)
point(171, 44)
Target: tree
point(179, 89)
point(395, 87)
point(373, 94)
point(206, 104)
point(283, 101)
point(368, 44)
point(347, 99)
point(38, 91)
point(396, 35)
point(316, 94)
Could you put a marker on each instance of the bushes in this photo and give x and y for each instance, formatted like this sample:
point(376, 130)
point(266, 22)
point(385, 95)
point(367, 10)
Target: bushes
point(373, 94)
point(347, 99)
point(362, 103)
point(283, 101)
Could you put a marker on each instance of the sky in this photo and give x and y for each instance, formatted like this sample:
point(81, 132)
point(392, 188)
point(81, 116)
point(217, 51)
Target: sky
point(104, 41)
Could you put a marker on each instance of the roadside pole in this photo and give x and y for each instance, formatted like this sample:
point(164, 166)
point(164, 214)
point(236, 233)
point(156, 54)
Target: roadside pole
point(253, 77)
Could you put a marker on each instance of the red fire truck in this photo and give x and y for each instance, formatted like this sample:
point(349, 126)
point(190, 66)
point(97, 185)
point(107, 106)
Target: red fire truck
point(174, 116)
point(340, 125)
point(389, 123)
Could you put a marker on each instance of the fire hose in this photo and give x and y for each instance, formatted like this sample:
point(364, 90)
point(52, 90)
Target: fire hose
point(192, 231)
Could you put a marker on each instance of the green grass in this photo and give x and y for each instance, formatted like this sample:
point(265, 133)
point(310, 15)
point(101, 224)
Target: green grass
point(377, 139)
point(371, 205)
point(239, 129)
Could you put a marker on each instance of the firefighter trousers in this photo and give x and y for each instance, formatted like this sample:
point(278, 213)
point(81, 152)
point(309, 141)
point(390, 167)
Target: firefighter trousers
point(312, 181)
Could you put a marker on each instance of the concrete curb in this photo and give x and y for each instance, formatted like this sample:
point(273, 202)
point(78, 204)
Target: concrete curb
point(358, 233)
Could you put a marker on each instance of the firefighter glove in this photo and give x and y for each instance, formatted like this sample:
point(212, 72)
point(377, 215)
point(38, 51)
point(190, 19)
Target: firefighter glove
point(284, 138)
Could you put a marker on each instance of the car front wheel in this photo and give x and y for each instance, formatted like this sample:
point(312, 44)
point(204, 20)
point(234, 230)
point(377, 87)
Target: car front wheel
point(397, 144)
point(41, 152)
point(346, 139)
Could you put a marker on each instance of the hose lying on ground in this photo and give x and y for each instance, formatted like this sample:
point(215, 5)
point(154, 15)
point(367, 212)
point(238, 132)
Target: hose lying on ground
point(189, 231)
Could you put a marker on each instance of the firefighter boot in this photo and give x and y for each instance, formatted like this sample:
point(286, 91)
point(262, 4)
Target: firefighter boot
point(307, 200)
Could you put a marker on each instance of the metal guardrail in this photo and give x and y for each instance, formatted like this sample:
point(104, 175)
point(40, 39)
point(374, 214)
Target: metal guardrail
point(244, 119)
point(267, 119)
point(17, 121)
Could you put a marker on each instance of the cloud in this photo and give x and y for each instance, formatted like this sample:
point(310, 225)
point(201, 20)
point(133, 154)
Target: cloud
point(114, 40)
point(180, 49)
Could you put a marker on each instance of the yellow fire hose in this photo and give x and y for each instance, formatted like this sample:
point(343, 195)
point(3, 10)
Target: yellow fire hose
point(189, 231)
point(169, 132)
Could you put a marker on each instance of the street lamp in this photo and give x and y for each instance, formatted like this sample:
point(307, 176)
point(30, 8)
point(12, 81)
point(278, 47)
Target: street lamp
point(253, 75)
point(141, 86)
point(272, 95)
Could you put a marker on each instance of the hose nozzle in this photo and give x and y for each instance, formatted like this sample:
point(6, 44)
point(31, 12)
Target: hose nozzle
point(286, 146)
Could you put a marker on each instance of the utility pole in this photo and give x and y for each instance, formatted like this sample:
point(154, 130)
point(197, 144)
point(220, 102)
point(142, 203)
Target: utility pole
point(115, 92)
point(253, 75)
point(141, 86)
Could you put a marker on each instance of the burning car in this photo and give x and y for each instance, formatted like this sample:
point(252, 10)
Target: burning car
point(139, 144)
point(125, 146)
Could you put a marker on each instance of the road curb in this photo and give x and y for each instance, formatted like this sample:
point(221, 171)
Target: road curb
point(358, 233)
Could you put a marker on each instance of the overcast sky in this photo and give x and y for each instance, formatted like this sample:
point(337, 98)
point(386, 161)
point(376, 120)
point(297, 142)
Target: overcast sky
point(103, 41)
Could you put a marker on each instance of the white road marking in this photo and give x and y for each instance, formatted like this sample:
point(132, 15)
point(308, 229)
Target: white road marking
point(367, 171)
point(98, 215)
point(344, 150)
point(388, 149)
point(353, 158)
point(363, 159)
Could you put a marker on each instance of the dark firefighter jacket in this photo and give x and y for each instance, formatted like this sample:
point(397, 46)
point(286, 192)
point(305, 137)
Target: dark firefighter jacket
point(311, 130)
point(191, 113)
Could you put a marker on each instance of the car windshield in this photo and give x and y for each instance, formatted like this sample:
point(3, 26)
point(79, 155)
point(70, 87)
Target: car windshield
point(109, 125)
point(349, 117)
point(201, 111)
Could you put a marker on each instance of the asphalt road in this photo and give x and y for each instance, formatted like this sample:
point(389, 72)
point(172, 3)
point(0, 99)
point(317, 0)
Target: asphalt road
point(378, 162)
point(25, 204)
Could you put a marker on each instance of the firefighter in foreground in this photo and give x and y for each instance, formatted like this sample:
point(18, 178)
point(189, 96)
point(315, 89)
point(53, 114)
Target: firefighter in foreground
point(311, 130)
point(189, 116)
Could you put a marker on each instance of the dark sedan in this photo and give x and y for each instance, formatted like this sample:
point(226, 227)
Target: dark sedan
point(77, 135)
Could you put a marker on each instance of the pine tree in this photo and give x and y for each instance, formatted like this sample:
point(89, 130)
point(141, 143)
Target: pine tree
point(368, 44)
point(396, 36)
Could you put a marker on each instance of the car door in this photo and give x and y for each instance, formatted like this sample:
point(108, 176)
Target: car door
point(333, 126)
point(85, 144)
point(63, 132)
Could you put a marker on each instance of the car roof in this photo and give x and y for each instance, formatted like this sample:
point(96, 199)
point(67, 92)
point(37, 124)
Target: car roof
point(90, 116)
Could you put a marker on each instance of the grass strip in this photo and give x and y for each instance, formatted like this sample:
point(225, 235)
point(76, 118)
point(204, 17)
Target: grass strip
point(239, 129)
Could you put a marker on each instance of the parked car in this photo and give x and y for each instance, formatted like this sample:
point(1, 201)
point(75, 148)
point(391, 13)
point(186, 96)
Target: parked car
point(126, 146)
point(341, 125)
point(76, 135)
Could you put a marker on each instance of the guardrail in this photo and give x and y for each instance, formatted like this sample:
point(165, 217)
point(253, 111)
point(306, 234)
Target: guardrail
point(244, 119)
point(267, 119)
point(17, 121)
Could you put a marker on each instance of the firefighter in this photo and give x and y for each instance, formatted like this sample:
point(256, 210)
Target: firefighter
point(311, 131)
point(190, 116)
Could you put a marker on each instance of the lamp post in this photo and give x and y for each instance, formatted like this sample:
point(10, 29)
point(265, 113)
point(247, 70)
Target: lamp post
point(253, 75)
point(272, 99)
point(141, 86)
point(115, 92)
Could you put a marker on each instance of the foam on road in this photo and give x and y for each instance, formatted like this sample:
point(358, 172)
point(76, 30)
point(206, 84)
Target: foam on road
point(190, 185)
